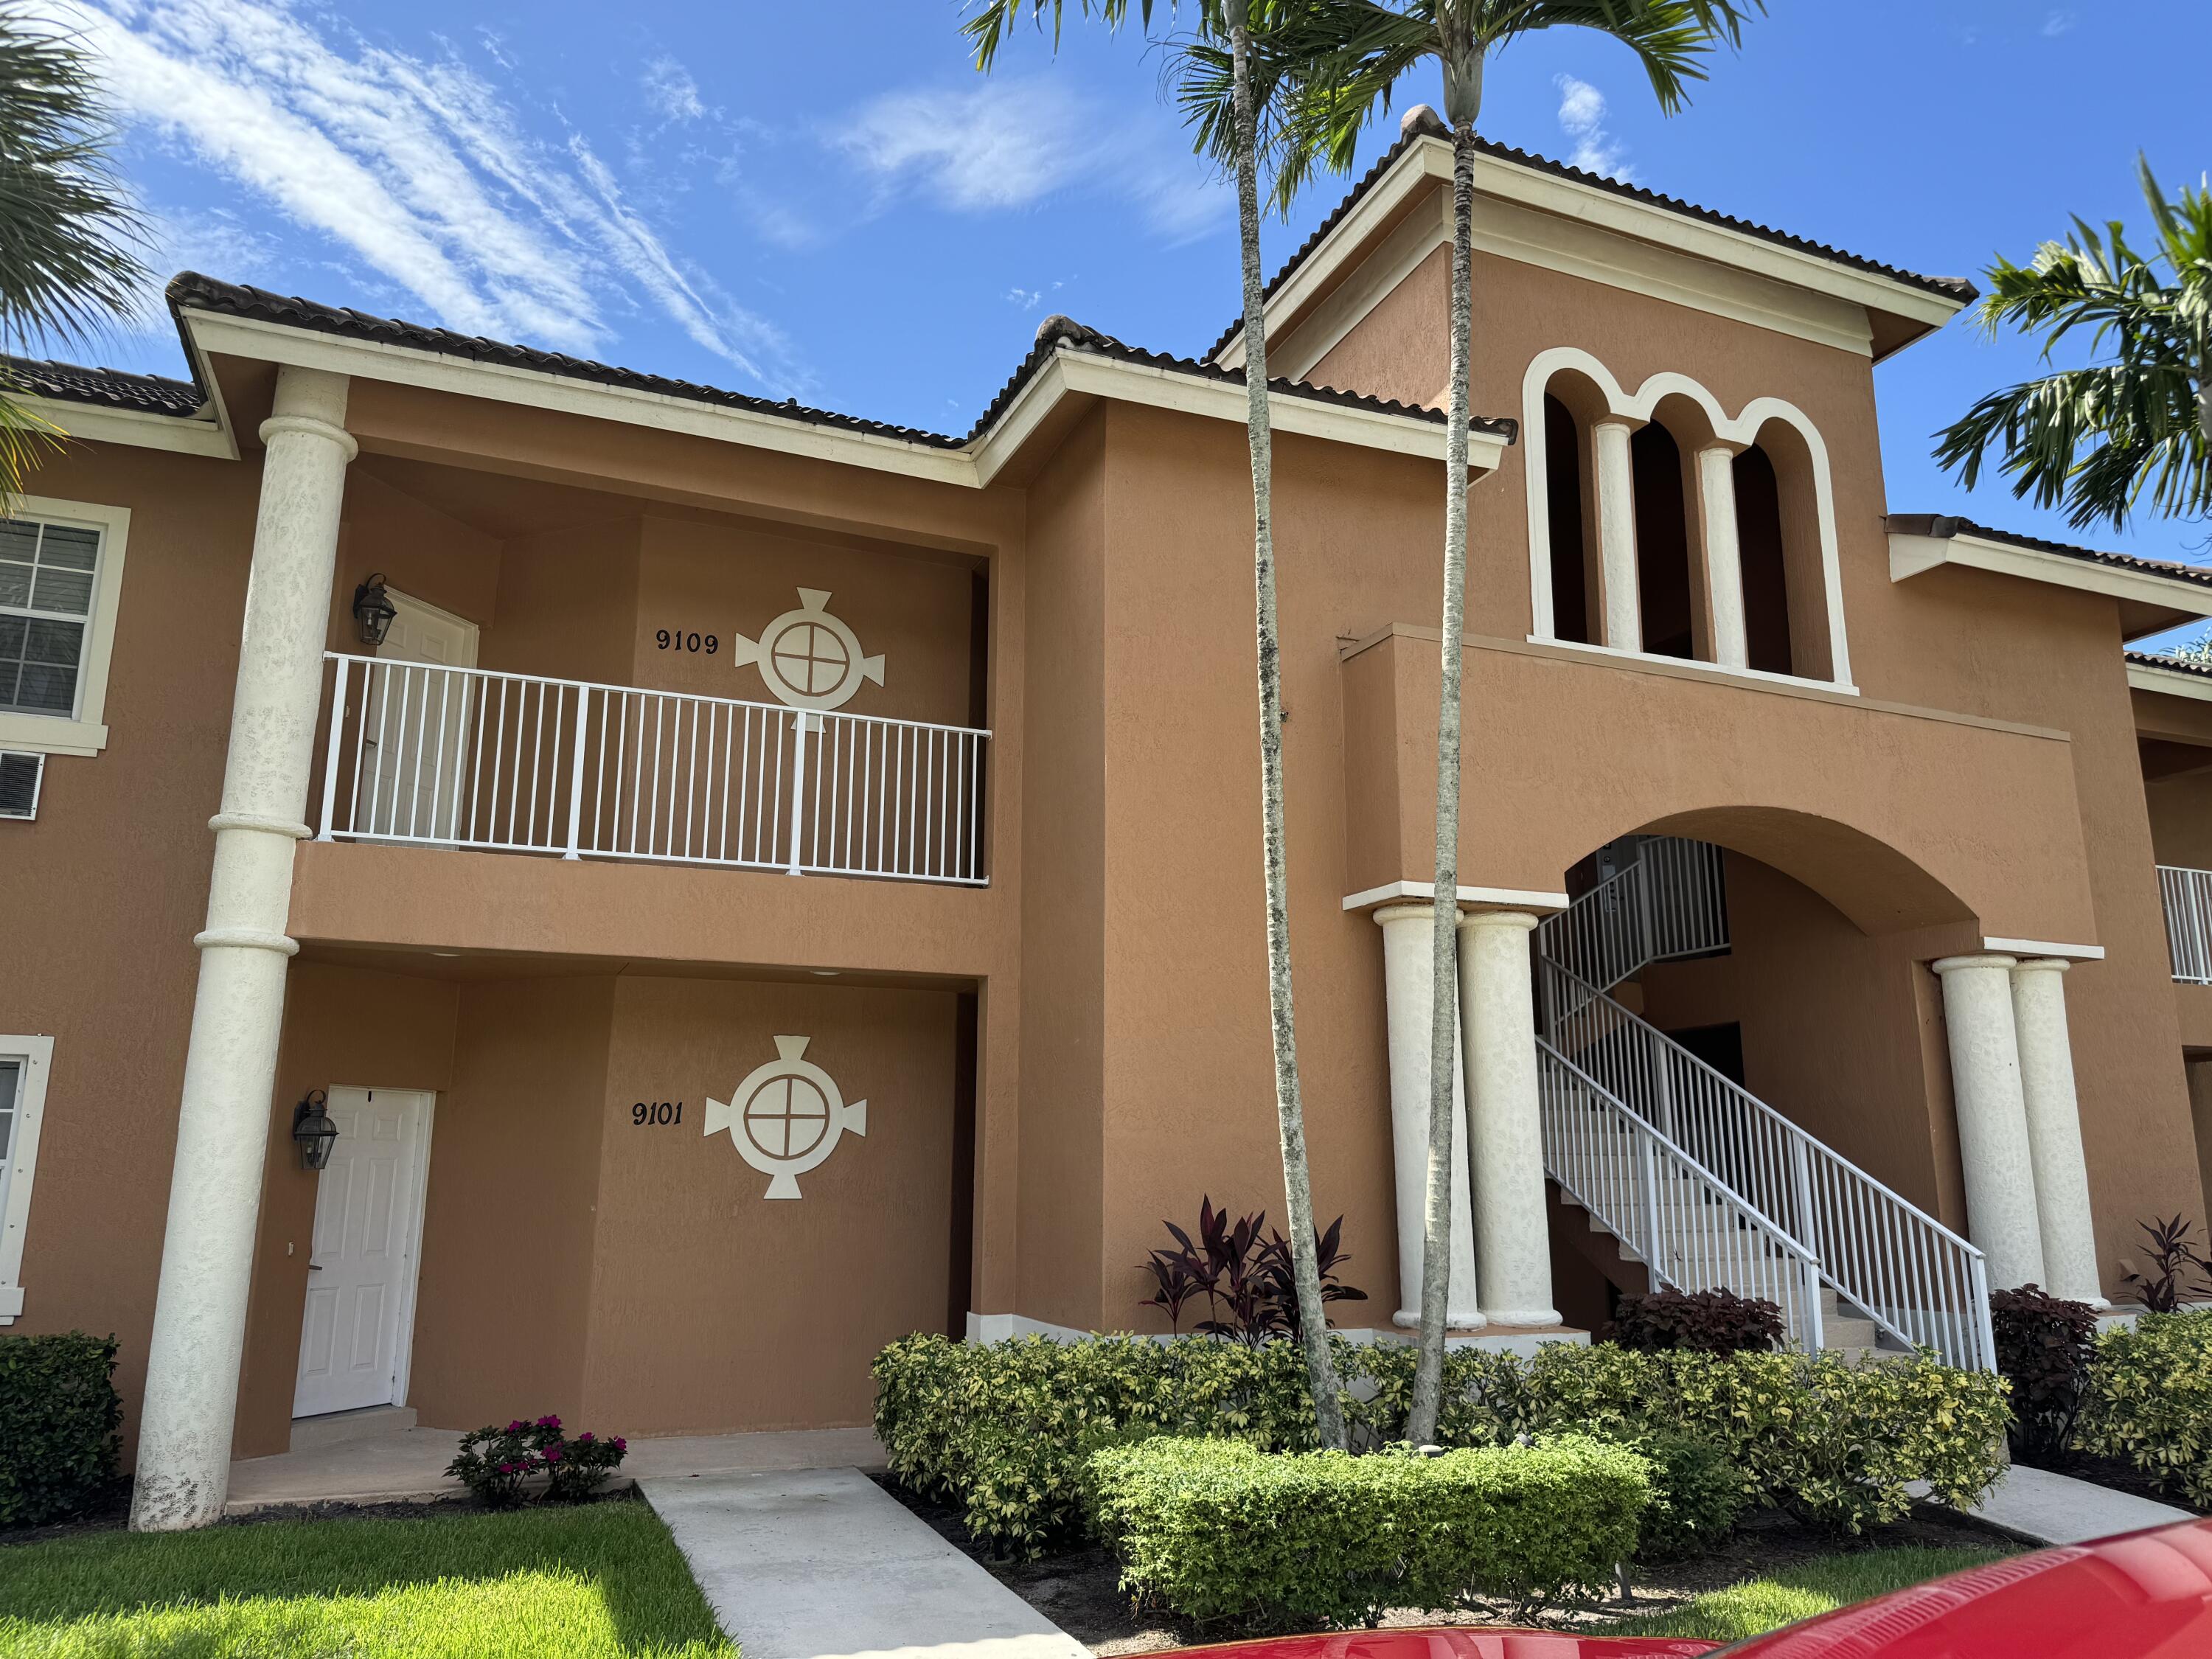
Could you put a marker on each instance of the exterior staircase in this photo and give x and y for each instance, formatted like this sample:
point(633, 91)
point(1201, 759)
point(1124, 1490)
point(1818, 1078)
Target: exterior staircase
point(1695, 1178)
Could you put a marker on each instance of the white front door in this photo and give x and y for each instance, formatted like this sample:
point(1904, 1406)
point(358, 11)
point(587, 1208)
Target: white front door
point(361, 1271)
point(414, 722)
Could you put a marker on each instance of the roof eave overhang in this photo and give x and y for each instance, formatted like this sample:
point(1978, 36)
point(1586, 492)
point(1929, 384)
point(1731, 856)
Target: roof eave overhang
point(1037, 413)
point(2148, 603)
point(1899, 312)
point(2170, 682)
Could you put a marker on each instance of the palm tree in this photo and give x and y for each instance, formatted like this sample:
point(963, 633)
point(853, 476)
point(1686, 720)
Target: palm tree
point(1361, 49)
point(67, 230)
point(2145, 418)
point(1257, 81)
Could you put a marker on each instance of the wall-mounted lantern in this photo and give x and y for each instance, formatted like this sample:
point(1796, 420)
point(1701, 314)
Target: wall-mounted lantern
point(312, 1132)
point(373, 609)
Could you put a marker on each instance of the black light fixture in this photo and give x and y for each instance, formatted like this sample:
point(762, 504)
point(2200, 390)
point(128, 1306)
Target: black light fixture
point(312, 1132)
point(373, 609)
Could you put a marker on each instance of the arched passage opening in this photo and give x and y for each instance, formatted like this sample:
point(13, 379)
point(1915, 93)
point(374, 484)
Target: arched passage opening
point(1665, 583)
point(1785, 588)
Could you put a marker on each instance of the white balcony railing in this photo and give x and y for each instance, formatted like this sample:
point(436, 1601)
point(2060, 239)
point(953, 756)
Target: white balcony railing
point(467, 758)
point(2188, 894)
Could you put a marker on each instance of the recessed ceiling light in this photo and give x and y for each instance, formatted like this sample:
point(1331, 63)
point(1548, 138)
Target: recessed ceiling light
point(445, 953)
point(826, 973)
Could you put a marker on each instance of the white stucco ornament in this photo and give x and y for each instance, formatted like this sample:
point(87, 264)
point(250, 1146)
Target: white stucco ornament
point(810, 658)
point(786, 1117)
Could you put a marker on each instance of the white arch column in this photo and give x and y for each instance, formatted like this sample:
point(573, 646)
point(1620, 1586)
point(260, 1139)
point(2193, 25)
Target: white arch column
point(1985, 1080)
point(230, 1068)
point(1409, 996)
point(1505, 1149)
point(1616, 465)
point(1723, 554)
point(2054, 1131)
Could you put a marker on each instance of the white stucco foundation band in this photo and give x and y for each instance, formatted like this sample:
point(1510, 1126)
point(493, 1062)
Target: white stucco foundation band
point(230, 1068)
point(1993, 1141)
point(1505, 1149)
point(1409, 995)
point(2054, 1131)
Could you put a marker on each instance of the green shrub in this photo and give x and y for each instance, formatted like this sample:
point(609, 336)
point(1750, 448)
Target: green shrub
point(1003, 1430)
point(2148, 1401)
point(1696, 1494)
point(1218, 1530)
point(61, 1425)
point(1830, 1439)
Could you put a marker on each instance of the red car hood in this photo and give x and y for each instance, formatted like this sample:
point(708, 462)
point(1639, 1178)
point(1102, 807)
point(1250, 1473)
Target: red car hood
point(1456, 1642)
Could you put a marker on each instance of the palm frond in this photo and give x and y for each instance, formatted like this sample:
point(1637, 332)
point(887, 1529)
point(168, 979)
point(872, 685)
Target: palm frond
point(26, 438)
point(68, 236)
point(990, 21)
point(1671, 39)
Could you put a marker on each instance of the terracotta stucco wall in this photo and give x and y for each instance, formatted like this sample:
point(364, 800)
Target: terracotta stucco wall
point(2181, 819)
point(101, 894)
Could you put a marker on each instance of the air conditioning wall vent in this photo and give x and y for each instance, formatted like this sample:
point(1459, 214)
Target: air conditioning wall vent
point(20, 775)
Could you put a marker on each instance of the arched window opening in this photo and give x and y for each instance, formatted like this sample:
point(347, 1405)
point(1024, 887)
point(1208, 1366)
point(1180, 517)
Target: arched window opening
point(1663, 587)
point(1765, 567)
point(1563, 492)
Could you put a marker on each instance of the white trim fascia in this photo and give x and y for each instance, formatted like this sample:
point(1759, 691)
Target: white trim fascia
point(1496, 898)
point(180, 434)
point(85, 733)
point(1400, 256)
point(1742, 428)
point(2169, 682)
point(1909, 555)
point(971, 467)
point(1642, 221)
point(1698, 667)
point(2043, 947)
point(38, 1054)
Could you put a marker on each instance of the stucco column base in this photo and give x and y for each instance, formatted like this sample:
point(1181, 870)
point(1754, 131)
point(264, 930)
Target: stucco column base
point(1409, 995)
point(1505, 1141)
point(2054, 1131)
point(1993, 1156)
point(230, 1069)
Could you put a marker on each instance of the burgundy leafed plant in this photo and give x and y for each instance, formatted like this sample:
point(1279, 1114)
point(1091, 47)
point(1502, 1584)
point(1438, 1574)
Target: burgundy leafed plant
point(2172, 1257)
point(493, 1463)
point(1244, 1271)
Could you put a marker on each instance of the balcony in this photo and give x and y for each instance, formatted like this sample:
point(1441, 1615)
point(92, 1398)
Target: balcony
point(421, 755)
point(2188, 896)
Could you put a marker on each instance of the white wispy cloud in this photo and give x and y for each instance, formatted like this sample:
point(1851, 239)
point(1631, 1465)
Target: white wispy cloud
point(1582, 118)
point(671, 90)
point(2056, 23)
point(419, 170)
point(1011, 144)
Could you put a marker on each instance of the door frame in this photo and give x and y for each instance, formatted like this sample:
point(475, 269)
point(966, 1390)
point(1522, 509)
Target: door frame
point(400, 596)
point(402, 1337)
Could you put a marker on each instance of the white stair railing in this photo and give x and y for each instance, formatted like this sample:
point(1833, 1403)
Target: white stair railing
point(2188, 896)
point(1915, 1277)
point(469, 758)
point(1692, 1232)
point(1670, 901)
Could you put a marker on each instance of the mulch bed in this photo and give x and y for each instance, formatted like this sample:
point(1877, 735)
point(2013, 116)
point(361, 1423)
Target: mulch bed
point(1080, 1590)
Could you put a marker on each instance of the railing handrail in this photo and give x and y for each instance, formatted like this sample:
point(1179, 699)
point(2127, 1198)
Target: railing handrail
point(1730, 1089)
point(1642, 1125)
point(652, 691)
point(2184, 869)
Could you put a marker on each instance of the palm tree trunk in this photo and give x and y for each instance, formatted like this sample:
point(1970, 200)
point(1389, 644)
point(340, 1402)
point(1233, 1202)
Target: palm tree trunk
point(1290, 1110)
point(1444, 1028)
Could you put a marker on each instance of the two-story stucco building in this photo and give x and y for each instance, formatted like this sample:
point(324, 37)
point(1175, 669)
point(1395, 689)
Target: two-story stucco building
point(744, 882)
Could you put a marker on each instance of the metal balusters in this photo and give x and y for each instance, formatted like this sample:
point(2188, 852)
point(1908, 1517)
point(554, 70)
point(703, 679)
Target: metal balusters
point(2188, 896)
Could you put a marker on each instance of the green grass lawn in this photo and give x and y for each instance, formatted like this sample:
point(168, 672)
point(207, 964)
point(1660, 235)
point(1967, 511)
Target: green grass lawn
point(578, 1583)
point(1833, 1581)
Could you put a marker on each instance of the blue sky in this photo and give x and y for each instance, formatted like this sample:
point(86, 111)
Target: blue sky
point(825, 201)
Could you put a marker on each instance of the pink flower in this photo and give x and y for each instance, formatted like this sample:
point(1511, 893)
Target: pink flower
point(553, 1453)
point(517, 1426)
point(584, 1438)
point(621, 1445)
point(506, 1468)
point(548, 1422)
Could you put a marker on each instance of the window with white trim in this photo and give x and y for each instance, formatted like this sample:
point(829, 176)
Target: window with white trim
point(47, 575)
point(24, 1063)
point(61, 570)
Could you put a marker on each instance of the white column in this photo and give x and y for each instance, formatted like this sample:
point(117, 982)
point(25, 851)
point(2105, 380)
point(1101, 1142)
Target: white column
point(1505, 1138)
point(1409, 982)
point(1616, 534)
point(222, 1128)
point(2001, 1214)
point(2054, 1131)
point(1723, 554)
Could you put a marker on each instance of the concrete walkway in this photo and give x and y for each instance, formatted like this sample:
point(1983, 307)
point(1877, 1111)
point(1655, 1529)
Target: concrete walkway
point(410, 1467)
point(2043, 1507)
point(807, 1565)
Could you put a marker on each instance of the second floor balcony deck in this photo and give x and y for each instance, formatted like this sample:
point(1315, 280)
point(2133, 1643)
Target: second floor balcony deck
point(475, 758)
